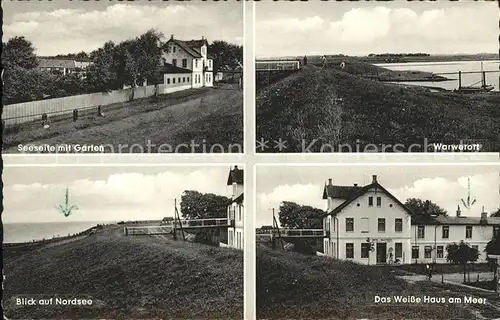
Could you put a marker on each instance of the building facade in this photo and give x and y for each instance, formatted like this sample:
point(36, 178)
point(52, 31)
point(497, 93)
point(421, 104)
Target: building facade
point(369, 225)
point(235, 210)
point(63, 66)
point(189, 58)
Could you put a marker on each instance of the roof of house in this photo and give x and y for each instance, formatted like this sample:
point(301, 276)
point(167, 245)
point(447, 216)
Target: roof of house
point(362, 191)
point(192, 47)
point(239, 199)
point(339, 192)
point(170, 68)
point(235, 176)
point(56, 63)
point(454, 220)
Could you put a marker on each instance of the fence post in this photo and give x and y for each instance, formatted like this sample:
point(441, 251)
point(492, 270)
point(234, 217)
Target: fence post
point(99, 111)
point(75, 115)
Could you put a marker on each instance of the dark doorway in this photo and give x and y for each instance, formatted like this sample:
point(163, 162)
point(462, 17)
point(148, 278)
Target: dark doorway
point(381, 252)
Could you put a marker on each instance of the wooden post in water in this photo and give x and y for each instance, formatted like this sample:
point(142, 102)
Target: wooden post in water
point(459, 80)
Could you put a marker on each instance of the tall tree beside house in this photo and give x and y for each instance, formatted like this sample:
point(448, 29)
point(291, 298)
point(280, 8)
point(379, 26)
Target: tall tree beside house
point(493, 247)
point(424, 208)
point(22, 81)
point(461, 254)
point(225, 55)
point(295, 216)
point(496, 213)
point(102, 74)
point(197, 205)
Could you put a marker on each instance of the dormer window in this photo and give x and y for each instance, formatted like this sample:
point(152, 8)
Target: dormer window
point(204, 50)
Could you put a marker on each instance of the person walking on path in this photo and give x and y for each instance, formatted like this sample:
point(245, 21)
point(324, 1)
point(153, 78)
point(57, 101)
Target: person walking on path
point(428, 271)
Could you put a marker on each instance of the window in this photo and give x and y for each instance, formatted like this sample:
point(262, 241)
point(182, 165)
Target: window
point(349, 224)
point(381, 225)
point(365, 225)
point(440, 252)
point(196, 63)
point(184, 63)
point(427, 251)
point(168, 80)
point(173, 48)
point(168, 49)
point(414, 252)
point(399, 250)
point(446, 232)
point(421, 232)
point(496, 230)
point(370, 201)
point(365, 250)
point(327, 224)
point(174, 62)
point(398, 225)
point(379, 201)
point(468, 232)
point(173, 80)
point(183, 79)
point(203, 50)
point(349, 250)
point(188, 79)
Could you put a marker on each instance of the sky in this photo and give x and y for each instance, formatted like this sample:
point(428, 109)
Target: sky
point(444, 185)
point(286, 28)
point(31, 194)
point(60, 27)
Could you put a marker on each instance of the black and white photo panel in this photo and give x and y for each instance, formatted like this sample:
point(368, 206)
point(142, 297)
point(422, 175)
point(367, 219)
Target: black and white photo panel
point(122, 77)
point(118, 242)
point(371, 76)
point(377, 242)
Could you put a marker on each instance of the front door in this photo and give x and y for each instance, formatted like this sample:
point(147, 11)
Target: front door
point(381, 252)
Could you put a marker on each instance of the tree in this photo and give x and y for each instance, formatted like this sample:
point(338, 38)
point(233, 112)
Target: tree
point(196, 205)
point(226, 55)
point(461, 254)
point(493, 247)
point(424, 209)
point(496, 213)
point(295, 216)
point(19, 52)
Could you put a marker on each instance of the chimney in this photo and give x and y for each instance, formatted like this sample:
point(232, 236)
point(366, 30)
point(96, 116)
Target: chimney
point(171, 37)
point(484, 216)
point(355, 184)
point(374, 178)
point(330, 181)
point(202, 37)
point(459, 213)
point(235, 167)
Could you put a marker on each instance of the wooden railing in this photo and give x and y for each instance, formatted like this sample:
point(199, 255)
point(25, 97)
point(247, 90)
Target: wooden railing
point(293, 233)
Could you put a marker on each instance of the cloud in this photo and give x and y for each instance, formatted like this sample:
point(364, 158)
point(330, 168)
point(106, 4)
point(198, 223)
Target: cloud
point(382, 29)
point(444, 192)
point(134, 196)
point(74, 30)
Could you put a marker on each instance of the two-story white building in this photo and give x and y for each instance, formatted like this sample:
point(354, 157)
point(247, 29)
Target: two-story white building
point(369, 225)
point(186, 64)
point(430, 237)
point(235, 210)
point(366, 224)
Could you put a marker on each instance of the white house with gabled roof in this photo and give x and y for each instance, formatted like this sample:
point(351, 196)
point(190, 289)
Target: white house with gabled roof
point(369, 225)
point(235, 210)
point(366, 224)
point(189, 58)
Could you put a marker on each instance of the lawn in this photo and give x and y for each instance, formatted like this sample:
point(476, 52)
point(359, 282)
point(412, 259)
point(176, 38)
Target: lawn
point(129, 277)
point(156, 124)
point(327, 107)
point(296, 286)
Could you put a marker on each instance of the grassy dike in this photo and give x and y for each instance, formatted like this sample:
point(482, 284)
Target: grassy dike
point(332, 106)
point(295, 286)
point(127, 277)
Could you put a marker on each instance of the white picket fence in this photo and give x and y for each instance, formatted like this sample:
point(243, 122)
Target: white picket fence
point(33, 110)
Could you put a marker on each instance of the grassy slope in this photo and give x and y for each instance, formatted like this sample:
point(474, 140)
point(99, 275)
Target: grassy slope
point(169, 119)
point(295, 286)
point(132, 277)
point(301, 107)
